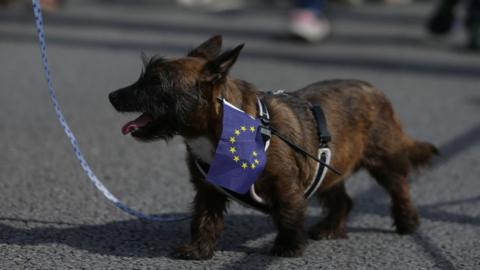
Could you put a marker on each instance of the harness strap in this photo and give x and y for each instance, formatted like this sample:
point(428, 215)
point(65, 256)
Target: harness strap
point(324, 155)
point(322, 130)
point(265, 119)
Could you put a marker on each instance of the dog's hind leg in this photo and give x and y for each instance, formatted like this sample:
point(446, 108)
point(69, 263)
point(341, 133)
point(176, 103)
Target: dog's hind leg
point(206, 225)
point(391, 174)
point(337, 204)
point(288, 213)
point(389, 156)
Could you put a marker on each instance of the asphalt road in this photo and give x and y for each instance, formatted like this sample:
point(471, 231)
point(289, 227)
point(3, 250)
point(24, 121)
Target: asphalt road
point(52, 218)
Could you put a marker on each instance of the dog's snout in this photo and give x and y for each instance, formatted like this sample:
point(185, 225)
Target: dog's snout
point(124, 100)
point(113, 97)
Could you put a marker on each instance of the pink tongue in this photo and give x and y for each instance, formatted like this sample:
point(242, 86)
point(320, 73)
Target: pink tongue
point(141, 121)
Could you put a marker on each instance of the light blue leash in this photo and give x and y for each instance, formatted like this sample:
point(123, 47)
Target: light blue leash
point(76, 148)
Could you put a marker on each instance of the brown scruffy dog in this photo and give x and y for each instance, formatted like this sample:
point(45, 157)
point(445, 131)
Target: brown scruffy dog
point(179, 97)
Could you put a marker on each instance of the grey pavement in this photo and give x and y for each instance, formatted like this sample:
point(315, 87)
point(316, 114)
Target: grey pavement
point(51, 217)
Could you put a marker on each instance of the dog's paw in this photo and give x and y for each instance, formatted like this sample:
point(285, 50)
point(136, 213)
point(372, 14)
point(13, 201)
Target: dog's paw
point(288, 246)
point(322, 232)
point(287, 250)
point(407, 225)
point(193, 252)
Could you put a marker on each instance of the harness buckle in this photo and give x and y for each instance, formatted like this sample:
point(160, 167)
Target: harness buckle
point(266, 132)
point(265, 121)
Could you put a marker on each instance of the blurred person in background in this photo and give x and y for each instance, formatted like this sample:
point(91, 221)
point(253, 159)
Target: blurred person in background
point(443, 18)
point(307, 19)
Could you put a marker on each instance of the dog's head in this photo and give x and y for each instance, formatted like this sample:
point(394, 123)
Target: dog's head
point(170, 91)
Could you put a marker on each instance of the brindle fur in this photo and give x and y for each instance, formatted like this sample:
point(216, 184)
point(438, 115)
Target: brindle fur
point(182, 96)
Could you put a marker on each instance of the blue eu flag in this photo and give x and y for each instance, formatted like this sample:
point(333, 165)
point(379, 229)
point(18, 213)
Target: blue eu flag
point(240, 156)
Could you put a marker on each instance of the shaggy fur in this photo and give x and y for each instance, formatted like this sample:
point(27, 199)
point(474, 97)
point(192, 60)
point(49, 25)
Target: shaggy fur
point(180, 96)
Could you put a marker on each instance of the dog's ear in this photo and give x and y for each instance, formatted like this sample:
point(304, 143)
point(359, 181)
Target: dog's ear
point(216, 70)
point(209, 49)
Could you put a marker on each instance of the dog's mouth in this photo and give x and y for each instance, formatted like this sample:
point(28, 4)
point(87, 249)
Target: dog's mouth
point(136, 125)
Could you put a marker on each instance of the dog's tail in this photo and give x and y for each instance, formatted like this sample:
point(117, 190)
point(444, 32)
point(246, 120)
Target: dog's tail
point(421, 153)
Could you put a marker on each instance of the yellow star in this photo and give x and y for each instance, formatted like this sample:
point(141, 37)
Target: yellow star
point(236, 158)
point(232, 150)
point(237, 132)
point(232, 139)
point(243, 128)
point(256, 161)
point(244, 165)
point(254, 153)
point(252, 129)
point(252, 166)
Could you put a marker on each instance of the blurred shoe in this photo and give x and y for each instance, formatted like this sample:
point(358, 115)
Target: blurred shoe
point(307, 25)
point(474, 37)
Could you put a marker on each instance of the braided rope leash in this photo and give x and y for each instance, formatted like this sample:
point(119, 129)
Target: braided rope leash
point(76, 148)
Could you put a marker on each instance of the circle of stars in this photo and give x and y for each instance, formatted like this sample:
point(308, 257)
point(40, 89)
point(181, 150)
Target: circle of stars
point(233, 150)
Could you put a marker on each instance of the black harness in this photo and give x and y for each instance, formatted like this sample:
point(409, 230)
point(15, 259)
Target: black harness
point(251, 199)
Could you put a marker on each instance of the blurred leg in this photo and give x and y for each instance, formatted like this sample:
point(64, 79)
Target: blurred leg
point(473, 12)
point(313, 5)
point(442, 19)
point(473, 24)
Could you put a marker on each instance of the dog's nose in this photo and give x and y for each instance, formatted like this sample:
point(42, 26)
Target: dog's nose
point(112, 97)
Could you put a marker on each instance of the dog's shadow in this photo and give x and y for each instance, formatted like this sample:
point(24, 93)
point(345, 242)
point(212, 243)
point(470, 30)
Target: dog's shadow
point(131, 238)
point(137, 238)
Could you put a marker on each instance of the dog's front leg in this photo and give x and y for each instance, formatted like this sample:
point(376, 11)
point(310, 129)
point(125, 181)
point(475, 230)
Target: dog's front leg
point(206, 226)
point(288, 213)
